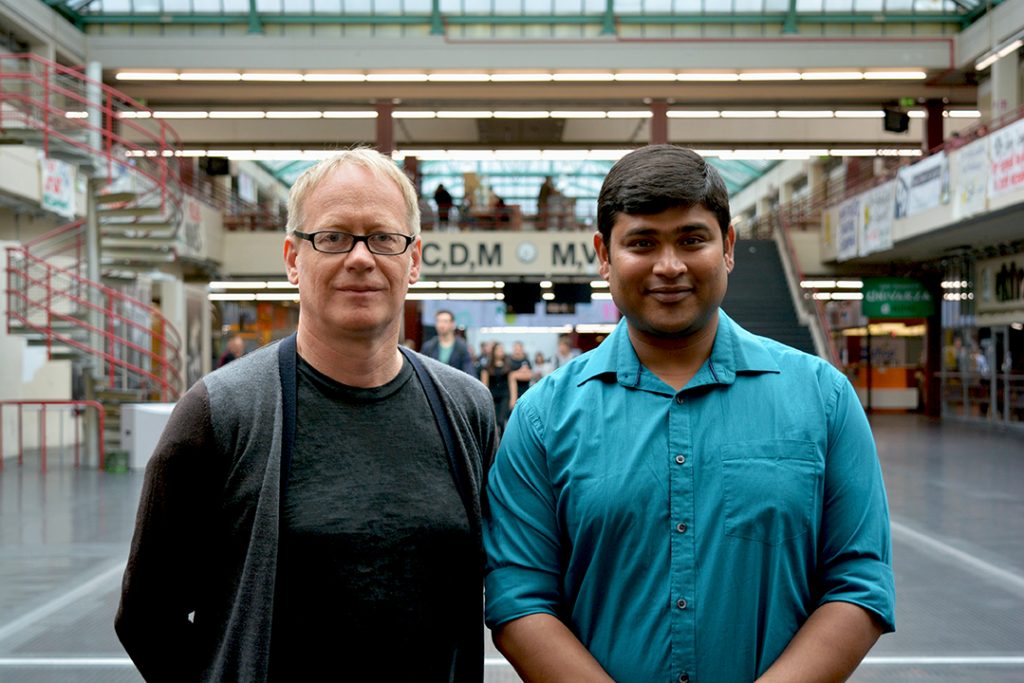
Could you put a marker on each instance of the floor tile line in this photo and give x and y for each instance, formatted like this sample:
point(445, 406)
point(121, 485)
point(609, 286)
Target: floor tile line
point(61, 601)
point(1005, 578)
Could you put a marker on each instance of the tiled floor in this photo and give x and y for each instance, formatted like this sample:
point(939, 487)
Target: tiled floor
point(957, 498)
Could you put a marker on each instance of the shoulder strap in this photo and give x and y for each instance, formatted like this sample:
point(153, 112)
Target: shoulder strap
point(457, 464)
point(287, 363)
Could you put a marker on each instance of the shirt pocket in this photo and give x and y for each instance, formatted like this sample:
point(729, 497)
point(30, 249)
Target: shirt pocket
point(770, 488)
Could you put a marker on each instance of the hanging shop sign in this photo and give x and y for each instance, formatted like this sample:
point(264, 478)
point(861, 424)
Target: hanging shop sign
point(1006, 159)
point(877, 218)
point(509, 253)
point(847, 229)
point(923, 186)
point(970, 195)
point(895, 297)
point(58, 187)
point(1001, 283)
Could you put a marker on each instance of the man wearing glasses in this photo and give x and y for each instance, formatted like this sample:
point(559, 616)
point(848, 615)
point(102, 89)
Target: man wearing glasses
point(315, 506)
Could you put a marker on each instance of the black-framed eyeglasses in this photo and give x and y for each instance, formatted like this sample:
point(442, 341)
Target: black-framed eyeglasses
point(335, 242)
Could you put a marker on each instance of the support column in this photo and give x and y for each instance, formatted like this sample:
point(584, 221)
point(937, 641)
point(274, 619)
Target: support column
point(659, 122)
point(1005, 81)
point(385, 128)
point(94, 94)
point(817, 179)
point(934, 132)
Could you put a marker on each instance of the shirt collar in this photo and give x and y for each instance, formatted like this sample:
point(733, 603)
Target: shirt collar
point(735, 351)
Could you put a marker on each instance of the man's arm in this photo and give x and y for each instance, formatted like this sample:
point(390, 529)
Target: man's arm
point(161, 581)
point(828, 647)
point(543, 650)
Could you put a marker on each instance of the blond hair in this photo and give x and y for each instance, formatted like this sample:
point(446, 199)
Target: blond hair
point(378, 164)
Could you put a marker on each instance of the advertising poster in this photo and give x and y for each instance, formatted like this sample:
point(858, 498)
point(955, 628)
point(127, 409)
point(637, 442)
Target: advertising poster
point(922, 186)
point(1001, 282)
point(58, 187)
point(847, 229)
point(876, 223)
point(971, 192)
point(1006, 159)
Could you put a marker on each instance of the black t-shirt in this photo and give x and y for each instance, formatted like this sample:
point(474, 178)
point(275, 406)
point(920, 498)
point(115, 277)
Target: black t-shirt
point(376, 556)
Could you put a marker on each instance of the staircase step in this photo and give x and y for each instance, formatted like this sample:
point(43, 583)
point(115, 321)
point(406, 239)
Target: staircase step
point(158, 231)
point(140, 243)
point(130, 211)
point(115, 197)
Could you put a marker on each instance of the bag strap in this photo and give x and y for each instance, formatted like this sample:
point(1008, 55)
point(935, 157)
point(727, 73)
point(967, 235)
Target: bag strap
point(457, 464)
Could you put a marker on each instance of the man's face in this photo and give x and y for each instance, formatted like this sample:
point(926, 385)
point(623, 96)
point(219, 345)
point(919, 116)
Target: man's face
point(444, 325)
point(358, 293)
point(667, 272)
point(518, 351)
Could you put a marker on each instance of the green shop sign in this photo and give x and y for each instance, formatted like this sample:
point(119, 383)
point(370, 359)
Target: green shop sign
point(895, 297)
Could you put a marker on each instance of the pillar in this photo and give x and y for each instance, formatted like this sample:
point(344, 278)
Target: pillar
point(385, 128)
point(94, 94)
point(659, 122)
point(1005, 82)
point(934, 132)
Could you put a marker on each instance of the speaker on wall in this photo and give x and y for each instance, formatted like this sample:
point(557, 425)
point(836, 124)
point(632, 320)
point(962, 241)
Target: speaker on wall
point(896, 120)
point(215, 165)
point(521, 297)
point(572, 292)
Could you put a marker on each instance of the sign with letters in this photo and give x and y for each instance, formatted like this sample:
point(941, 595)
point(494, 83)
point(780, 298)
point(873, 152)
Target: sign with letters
point(58, 187)
point(895, 297)
point(509, 253)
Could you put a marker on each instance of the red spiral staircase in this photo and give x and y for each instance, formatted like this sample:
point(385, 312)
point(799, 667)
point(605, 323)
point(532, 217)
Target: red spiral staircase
point(84, 301)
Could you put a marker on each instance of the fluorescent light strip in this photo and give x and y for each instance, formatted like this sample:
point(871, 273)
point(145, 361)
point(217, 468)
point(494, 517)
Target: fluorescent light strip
point(579, 115)
point(180, 114)
point(764, 76)
point(295, 114)
point(209, 76)
point(396, 78)
point(522, 78)
point(752, 114)
point(464, 114)
point(805, 114)
point(134, 115)
point(583, 77)
point(230, 297)
point(630, 114)
point(964, 114)
point(350, 114)
point(458, 78)
point(832, 75)
point(146, 76)
point(237, 114)
point(817, 284)
point(237, 284)
point(414, 114)
point(521, 114)
point(548, 296)
point(335, 78)
point(275, 77)
point(524, 329)
point(693, 114)
point(895, 75)
point(278, 296)
point(860, 114)
point(76, 114)
point(712, 77)
point(634, 77)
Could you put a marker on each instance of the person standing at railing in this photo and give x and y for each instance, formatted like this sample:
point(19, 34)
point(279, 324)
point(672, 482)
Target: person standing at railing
point(235, 349)
point(688, 501)
point(314, 507)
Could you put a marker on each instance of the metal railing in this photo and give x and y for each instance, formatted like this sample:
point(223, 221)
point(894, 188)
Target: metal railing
point(64, 408)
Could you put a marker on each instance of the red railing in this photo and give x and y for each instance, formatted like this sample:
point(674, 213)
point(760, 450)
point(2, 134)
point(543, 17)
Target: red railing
point(46, 299)
point(76, 408)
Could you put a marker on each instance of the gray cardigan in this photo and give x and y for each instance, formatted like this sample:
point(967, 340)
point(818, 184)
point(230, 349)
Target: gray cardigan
point(207, 530)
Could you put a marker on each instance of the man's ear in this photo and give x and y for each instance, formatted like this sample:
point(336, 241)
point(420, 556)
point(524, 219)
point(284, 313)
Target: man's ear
point(730, 248)
point(291, 253)
point(417, 260)
point(604, 265)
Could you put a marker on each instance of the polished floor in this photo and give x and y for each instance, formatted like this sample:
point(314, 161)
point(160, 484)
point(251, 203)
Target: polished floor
point(957, 498)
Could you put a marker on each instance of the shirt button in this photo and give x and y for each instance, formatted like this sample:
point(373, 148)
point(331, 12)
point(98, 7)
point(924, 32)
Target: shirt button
point(680, 459)
point(681, 527)
point(681, 603)
point(684, 678)
point(679, 399)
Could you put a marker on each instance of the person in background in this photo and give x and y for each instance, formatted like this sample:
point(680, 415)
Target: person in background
point(547, 188)
point(315, 505)
point(541, 367)
point(484, 358)
point(520, 370)
point(446, 346)
point(565, 352)
point(444, 202)
point(234, 349)
point(688, 501)
point(497, 376)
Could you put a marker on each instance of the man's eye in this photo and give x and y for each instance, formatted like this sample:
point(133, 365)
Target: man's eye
point(383, 238)
point(331, 237)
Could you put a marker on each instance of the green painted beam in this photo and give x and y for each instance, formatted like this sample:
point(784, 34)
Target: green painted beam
point(263, 19)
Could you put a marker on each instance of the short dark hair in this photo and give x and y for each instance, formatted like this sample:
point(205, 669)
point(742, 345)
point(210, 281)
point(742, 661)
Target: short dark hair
point(444, 311)
point(656, 178)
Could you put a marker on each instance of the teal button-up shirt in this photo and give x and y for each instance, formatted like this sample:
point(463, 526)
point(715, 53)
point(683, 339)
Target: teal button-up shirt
point(688, 535)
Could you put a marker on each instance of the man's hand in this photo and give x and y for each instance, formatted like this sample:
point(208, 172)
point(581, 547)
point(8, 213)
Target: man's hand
point(543, 650)
point(827, 648)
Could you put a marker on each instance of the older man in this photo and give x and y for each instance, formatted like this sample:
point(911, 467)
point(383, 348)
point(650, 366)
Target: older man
point(688, 502)
point(314, 506)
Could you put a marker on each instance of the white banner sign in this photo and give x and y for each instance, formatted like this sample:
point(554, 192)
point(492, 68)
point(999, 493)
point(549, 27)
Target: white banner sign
point(1006, 156)
point(876, 223)
point(922, 186)
point(58, 187)
point(970, 193)
point(1002, 284)
point(847, 229)
point(509, 253)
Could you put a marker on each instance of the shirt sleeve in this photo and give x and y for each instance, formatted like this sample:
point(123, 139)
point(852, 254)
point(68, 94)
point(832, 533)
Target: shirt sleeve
point(162, 580)
point(521, 532)
point(855, 550)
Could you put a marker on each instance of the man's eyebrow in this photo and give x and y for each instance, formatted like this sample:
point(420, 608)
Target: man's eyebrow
point(644, 231)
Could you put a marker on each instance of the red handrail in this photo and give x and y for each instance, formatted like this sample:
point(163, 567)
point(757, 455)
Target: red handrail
point(95, 405)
